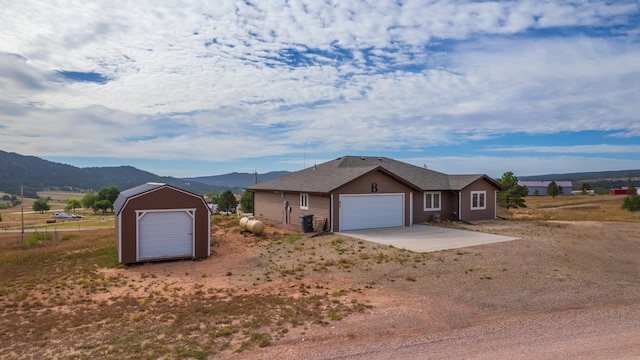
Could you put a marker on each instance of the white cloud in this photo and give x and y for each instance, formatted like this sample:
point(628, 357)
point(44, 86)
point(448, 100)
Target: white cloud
point(574, 149)
point(270, 77)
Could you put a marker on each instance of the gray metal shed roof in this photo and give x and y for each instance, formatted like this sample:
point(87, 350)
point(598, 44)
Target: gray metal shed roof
point(126, 194)
point(328, 176)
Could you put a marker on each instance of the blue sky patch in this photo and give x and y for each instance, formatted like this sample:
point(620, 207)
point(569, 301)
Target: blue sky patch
point(93, 77)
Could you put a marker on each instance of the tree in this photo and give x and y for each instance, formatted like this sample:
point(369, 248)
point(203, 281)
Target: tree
point(102, 205)
point(536, 192)
point(552, 189)
point(72, 204)
point(246, 201)
point(89, 199)
point(109, 193)
point(632, 201)
point(41, 205)
point(584, 188)
point(213, 196)
point(227, 201)
point(513, 195)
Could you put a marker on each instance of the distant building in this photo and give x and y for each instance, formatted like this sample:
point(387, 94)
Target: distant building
point(541, 186)
point(622, 191)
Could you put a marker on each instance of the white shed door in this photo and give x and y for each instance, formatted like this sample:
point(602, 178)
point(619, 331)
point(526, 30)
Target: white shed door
point(165, 234)
point(371, 211)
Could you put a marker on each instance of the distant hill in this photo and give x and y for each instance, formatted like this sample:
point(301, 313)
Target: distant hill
point(237, 180)
point(38, 174)
point(582, 176)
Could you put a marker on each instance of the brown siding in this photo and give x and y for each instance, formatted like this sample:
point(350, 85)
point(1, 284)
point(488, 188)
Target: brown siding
point(448, 207)
point(363, 185)
point(474, 215)
point(163, 198)
point(269, 206)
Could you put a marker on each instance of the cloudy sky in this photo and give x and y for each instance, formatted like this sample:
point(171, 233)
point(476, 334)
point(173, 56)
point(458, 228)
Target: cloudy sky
point(192, 88)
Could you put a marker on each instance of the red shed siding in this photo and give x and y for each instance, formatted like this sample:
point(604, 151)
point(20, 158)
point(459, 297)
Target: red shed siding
point(162, 198)
point(473, 215)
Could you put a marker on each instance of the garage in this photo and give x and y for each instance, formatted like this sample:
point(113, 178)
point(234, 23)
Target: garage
point(366, 211)
point(157, 221)
point(164, 234)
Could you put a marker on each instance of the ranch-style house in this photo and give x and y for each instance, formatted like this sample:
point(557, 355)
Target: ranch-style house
point(356, 192)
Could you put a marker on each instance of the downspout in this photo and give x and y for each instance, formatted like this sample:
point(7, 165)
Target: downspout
point(331, 212)
point(460, 205)
point(411, 208)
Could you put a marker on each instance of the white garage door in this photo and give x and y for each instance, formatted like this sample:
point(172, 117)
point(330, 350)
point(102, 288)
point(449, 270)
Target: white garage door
point(165, 234)
point(371, 211)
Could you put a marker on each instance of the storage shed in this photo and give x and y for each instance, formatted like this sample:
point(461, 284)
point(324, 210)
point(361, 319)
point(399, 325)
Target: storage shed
point(157, 221)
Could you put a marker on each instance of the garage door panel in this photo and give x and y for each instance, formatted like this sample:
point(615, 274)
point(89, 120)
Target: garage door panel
point(165, 234)
point(371, 211)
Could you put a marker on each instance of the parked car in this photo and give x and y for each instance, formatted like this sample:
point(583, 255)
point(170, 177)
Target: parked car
point(66, 216)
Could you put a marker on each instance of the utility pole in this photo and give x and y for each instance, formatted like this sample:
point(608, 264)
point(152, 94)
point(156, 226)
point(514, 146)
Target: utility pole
point(22, 211)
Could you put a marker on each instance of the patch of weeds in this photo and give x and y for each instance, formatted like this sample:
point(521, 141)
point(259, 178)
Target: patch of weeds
point(340, 292)
point(410, 278)
point(182, 353)
point(380, 257)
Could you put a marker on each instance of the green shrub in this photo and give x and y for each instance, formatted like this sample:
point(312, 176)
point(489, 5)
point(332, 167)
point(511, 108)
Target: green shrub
point(631, 203)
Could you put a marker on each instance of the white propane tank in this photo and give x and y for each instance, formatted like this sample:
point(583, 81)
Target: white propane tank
point(251, 224)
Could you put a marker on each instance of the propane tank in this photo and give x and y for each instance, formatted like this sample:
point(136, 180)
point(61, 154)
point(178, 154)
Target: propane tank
point(255, 226)
point(251, 224)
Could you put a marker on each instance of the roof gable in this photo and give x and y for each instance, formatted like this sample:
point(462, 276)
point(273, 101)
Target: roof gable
point(149, 187)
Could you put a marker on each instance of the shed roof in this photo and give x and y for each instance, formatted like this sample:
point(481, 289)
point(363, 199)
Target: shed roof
point(125, 195)
point(328, 176)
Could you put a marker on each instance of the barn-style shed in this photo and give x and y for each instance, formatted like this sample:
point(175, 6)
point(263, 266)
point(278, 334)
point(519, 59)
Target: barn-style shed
point(157, 221)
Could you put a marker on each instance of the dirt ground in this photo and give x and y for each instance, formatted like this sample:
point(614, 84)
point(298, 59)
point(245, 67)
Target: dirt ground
point(565, 289)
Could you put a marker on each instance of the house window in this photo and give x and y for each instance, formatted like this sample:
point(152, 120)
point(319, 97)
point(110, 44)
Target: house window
point(304, 201)
point(431, 201)
point(478, 200)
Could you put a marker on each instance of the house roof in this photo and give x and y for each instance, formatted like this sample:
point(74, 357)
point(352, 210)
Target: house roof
point(326, 177)
point(125, 195)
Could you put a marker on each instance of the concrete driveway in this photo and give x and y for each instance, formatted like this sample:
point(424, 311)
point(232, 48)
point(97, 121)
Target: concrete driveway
point(425, 238)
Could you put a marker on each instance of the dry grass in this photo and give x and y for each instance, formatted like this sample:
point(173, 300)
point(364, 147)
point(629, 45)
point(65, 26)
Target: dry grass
point(574, 208)
point(59, 298)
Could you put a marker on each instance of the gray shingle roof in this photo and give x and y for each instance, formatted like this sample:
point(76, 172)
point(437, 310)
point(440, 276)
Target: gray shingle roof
point(328, 176)
point(126, 194)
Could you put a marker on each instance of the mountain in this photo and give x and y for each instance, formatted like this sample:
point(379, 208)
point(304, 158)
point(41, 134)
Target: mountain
point(237, 180)
point(584, 176)
point(37, 174)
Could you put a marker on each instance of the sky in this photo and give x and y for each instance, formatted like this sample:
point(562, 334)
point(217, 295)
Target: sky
point(198, 88)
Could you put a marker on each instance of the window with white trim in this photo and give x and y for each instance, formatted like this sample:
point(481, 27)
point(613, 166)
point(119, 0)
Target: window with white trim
point(304, 201)
point(431, 200)
point(478, 200)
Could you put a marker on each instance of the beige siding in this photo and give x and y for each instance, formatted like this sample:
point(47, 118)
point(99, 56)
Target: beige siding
point(473, 215)
point(269, 206)
point(365, 185)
